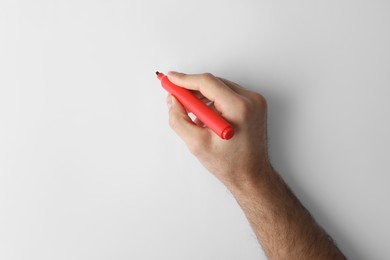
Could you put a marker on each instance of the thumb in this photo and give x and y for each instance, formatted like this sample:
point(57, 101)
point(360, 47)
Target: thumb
point(193, 135)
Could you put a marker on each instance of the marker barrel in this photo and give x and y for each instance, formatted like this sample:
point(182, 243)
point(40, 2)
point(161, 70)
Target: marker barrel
point(193, 104)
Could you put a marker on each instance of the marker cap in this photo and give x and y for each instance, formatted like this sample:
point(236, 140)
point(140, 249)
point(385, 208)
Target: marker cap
point(227, 133)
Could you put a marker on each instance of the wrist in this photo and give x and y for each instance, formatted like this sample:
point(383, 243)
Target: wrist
point(251, 182)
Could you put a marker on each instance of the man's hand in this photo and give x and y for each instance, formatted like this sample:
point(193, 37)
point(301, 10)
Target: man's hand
point(282, 225)
point(242, 158)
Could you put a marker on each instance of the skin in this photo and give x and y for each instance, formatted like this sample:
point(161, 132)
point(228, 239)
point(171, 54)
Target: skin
point(283, 227)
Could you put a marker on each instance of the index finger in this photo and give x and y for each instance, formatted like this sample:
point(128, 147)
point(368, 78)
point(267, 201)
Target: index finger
point(210, 87)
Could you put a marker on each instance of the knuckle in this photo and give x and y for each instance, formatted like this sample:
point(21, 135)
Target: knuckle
point(195, 148)
point(259, 100)
point(244, 108)
point(207, 76)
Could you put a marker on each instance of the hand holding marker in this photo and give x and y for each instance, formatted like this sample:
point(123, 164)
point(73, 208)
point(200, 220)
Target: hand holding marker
point(243, 164)
point(193, 104)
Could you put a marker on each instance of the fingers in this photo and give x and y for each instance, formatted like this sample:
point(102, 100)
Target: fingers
point(254, 97)
point(182, 124)
point(199, 123)
point(200, 96)
point(210, 87)
point(236, 88)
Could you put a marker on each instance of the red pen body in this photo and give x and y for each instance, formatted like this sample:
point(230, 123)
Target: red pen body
point(193, 104)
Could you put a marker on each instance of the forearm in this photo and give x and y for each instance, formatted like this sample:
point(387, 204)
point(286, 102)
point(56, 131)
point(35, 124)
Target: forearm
point(282, 225)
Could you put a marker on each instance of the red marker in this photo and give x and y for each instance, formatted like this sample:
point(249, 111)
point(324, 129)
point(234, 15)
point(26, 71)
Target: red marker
point(193, 104)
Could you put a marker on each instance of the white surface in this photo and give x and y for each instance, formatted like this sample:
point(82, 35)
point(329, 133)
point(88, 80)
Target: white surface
point(89, 168)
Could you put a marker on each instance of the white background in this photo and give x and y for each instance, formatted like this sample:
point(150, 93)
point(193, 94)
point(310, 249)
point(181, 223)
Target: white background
point(89, 168)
